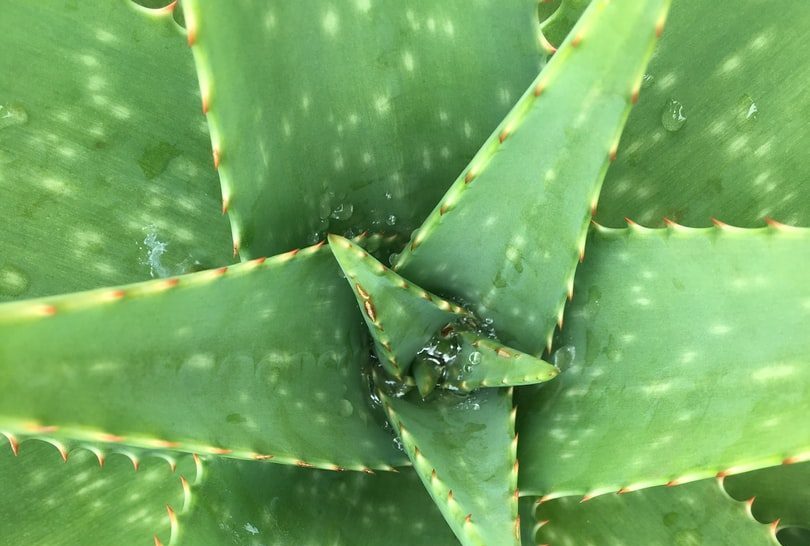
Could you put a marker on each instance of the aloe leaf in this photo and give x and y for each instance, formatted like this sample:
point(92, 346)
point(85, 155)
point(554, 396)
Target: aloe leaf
point(105, 172)
point(557, 26)
point(779, 493)
point(63, 503)
point(715, 133)
point(697, 513)
point(401, 317)
point(529, 190)
point(673, 331)
point(245, 502)
point(319, 112)
point(463, 449)
point(484, 362)
point(274, 374)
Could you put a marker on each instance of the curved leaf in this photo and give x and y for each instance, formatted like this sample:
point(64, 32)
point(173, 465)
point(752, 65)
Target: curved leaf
point(463, 449)
point(352, 115)
point(780, 493)
point(47, 500)
point(105, 164)
point(673, 332)
point(507, 235)
point(275, 373)
point(697, 513)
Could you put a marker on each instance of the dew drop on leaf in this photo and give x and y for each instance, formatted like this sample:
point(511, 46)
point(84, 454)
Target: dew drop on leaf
point(673, 116)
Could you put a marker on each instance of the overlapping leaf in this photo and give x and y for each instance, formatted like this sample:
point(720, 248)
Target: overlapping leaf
point(273, 373)
point(105, 167)
point(507, 235)
point(690, 357)
point(717, 131)
point(352, 115)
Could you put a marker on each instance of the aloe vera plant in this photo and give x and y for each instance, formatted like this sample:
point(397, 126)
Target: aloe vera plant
point(385, 272)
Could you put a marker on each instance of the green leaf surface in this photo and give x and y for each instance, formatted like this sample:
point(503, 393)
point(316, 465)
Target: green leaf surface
point(694, 514)
point(483, 362)
point(105, 165)
point(780, 493)
point(688, 356)
point(463, 449)
point(47, 500)
point(400, 316)
point(352, 115)
point(560, 23)
point(738, 77)
point(529, 190)
point(243, 503)
point(274, 373)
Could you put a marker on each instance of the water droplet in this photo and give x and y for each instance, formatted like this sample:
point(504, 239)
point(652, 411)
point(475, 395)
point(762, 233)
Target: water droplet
point(346, 408)
point(748, 108)
point(564, 357)
point(343, 211)
point(392, 259)
point(398, 445)
point(474, 358)
point(13, 281)
point(673, 116)
point(388, 195)
point(12, 114)
point(154, 251)
point(647, 80)
point(391, 220)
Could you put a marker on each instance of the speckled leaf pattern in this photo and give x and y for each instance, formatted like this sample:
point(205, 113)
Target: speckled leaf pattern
point(507, 236)
point(354, 115)
point(688, 515)
point(717, 131)
point(780, 493)
point(484, 362)
point(464, 448)
point(49, 501)
point(690, 358)
point(273, 374)
point(244, 503)
point(106, 174)
point(400, 316)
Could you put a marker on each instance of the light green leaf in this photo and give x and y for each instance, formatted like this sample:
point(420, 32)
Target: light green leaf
point(507, 235)
point(106, 174)
point(738, 78)
point(694, 514)
point(688, 357)
point(560, 23)
point(245, 503)
point(484, 362)
point(274, 373)
point(463, 449)
point(352, 115)
point(47, 500)
point(400, 316)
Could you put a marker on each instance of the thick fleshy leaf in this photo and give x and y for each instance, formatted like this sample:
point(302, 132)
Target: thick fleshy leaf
point(273, 373)
point(352, 115)
point(781, 493)
point(688, 356)
point(400, 316)
point(716, 131)
point(251, 503)
point(47, 500)
point(507, 235)
point(463, 449)
point(484, 362)
point(692, 514)
point(105, 165)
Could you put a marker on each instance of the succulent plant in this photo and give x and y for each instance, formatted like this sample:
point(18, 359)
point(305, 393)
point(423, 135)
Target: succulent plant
point(441, 328)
